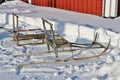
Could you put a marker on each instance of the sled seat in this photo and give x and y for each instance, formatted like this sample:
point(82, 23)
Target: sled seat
point(26, 34)
point(54, 40)
point(17, 36)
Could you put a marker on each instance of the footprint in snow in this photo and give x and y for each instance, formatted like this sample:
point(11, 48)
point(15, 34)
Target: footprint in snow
point(18, 70)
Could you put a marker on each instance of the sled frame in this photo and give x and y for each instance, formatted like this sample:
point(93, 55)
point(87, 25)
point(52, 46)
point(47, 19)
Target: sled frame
point(56, 41)
point(20, 37)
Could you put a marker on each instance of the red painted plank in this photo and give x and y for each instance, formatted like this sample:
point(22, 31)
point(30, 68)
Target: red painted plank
point(72, 4)
point(36, 2)
point(89, 6)
point(84, 9)
point(33, 2)
point(57, 4)
point(62, 4)
point(43, 2)
point(76, 5)
point(40, 2)
point(99, 7)
point(80, 5)
point(65, 4)
point(53, 3)
point(46, 3)
point(94, 6)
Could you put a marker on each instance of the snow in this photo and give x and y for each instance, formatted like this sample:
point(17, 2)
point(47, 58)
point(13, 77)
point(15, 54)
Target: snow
point(75, 27)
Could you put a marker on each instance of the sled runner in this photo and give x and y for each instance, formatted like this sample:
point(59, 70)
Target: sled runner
point(56, 41)
point(21, 35)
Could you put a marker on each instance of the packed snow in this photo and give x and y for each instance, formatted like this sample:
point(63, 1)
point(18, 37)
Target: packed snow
point(73, 26)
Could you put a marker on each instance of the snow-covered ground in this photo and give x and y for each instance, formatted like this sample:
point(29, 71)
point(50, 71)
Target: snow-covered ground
point(75, 27)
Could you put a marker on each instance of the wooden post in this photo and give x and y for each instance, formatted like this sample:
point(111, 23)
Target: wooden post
point(45, 34)
point(17, 22)
point(13, 23)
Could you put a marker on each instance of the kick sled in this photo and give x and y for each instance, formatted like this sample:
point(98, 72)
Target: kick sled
point(26, 34)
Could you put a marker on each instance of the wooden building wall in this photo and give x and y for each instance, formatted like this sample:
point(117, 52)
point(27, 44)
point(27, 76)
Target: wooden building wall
point(83, 6)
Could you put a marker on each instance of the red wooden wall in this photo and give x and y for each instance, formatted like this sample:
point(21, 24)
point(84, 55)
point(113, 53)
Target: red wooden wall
point(84, 6)
point(41, 2)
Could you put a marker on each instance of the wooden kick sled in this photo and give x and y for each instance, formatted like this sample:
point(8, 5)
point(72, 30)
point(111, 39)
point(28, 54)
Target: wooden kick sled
point(22, 34)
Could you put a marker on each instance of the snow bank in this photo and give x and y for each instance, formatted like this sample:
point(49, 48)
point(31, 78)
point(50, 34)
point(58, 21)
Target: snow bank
point(68, 30)
point(24, 9)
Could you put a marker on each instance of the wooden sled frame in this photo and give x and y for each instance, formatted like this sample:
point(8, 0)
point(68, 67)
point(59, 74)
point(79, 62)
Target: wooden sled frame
point(17, 37)
point(56, 41)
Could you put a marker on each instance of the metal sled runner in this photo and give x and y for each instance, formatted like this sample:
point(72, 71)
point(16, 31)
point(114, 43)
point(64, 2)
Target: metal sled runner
point(19, 35)
point(56, 41)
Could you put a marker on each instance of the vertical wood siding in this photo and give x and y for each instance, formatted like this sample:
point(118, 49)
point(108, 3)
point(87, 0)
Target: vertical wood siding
point(83, 6)
point(41, 2)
